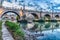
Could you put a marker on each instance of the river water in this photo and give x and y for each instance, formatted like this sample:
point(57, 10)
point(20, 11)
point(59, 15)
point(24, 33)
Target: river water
point(51, 30)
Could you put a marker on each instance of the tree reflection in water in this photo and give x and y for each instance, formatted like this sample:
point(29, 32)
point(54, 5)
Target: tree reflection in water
point(39, 27)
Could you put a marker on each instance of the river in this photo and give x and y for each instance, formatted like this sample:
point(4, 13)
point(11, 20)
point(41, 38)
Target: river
point(49, 30)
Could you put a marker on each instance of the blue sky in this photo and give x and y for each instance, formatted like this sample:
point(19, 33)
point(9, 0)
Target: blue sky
point(40, 4)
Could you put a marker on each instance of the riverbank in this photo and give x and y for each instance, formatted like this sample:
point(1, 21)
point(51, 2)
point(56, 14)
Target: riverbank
point(0, 30)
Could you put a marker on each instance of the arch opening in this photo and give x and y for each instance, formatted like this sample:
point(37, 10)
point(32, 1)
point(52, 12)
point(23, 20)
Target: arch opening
point(57, 16)
point(11, 14)
point(47, 16)
point(35, 15)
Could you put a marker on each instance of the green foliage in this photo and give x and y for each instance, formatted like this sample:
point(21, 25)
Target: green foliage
point(14, 27)
point(0, 30)
point(17, 18)
point(0, 24)
point(19, 33)
point(41, 20)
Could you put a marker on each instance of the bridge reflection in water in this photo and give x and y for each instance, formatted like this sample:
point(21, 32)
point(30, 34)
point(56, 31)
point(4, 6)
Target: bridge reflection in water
point(51, 30)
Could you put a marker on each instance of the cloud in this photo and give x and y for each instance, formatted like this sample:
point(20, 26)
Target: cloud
point(38, 4)
point(56, 1)
point(29, 8)
point(43, 5)
point(12, 5)
point(57, 8)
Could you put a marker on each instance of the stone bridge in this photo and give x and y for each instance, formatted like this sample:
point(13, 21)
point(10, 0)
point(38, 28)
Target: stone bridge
point(35, 14)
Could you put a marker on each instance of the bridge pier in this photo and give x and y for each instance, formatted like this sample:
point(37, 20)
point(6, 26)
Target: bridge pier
point(40, 15)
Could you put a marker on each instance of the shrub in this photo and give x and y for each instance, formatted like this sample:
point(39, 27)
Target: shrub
point(12, 26)
point(41, 20)
point(19, 33)
point(0, 30)
point(0, 24)
point(15, 27)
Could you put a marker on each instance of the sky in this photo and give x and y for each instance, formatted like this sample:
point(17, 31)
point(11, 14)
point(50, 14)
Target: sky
point(44, 5)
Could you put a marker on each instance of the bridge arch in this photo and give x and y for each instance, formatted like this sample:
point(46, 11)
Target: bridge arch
point(10, 12)
point(57, 16)
point(35, 15)
point(47, 16)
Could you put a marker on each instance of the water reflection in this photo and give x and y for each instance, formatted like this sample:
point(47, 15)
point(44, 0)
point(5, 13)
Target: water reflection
point(36, 26)
point(49, 29)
